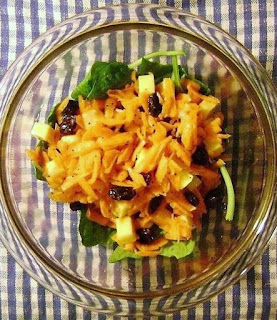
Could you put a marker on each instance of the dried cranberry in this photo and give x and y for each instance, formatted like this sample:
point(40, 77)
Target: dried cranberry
point(154, 106)
point(68, 125)
point(214, 198)
point(146, 235)
point(167, 119)
point(155, 203)
point(136, 215)
point(222, 206)
point(71, 109)
point(169, 208)
point(119, 105)
point(191, 198)
point(200, 156)
point(147, 178)
point(74, 206)
point(122, 129)
point(122, 193)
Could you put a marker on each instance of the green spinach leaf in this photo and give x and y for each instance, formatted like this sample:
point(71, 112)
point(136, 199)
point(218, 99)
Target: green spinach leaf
point(93, 233)
point(84, 87)
point(102, 77)
point(38, 173)
point(157, 54)
point(119, 253)
point(159, 70)
point(38, 170)
point(183, 72)
point(175, 249)
point(176, 75)
point(178, 249)
point(204, 89)
point(43, 145)
point(52, 118)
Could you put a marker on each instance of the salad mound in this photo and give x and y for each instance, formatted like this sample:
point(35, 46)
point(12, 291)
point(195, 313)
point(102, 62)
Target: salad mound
point(137, 151)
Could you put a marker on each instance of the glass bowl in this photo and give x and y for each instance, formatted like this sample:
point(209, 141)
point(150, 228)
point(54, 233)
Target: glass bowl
point(43, 236)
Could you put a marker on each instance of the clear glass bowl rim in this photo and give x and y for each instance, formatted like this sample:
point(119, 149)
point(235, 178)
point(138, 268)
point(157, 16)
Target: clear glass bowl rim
point(255, 226)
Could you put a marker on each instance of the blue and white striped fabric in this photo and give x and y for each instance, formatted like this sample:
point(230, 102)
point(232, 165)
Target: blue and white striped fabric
point(254, 23)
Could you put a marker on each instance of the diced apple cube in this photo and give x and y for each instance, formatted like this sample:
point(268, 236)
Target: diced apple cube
point(195, 182)
point(206, 107)
point(147, 158)
point(90, 118)
point(70, 139)
point(146, 83)
point(43, 131)
point(213, 146)
point(121, 208)
point(55, 169)
point(125, 230)
point(185, 179)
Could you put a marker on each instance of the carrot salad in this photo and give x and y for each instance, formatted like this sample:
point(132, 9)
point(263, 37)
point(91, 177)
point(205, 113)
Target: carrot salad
point(143, 157)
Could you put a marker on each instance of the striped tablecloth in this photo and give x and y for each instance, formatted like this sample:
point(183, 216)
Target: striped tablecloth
point(254, 23)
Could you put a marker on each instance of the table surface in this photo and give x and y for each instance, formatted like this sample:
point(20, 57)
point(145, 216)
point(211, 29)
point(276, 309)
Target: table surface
point(253, 23)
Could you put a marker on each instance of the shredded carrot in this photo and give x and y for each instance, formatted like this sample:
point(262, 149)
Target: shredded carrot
point(118, 142)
